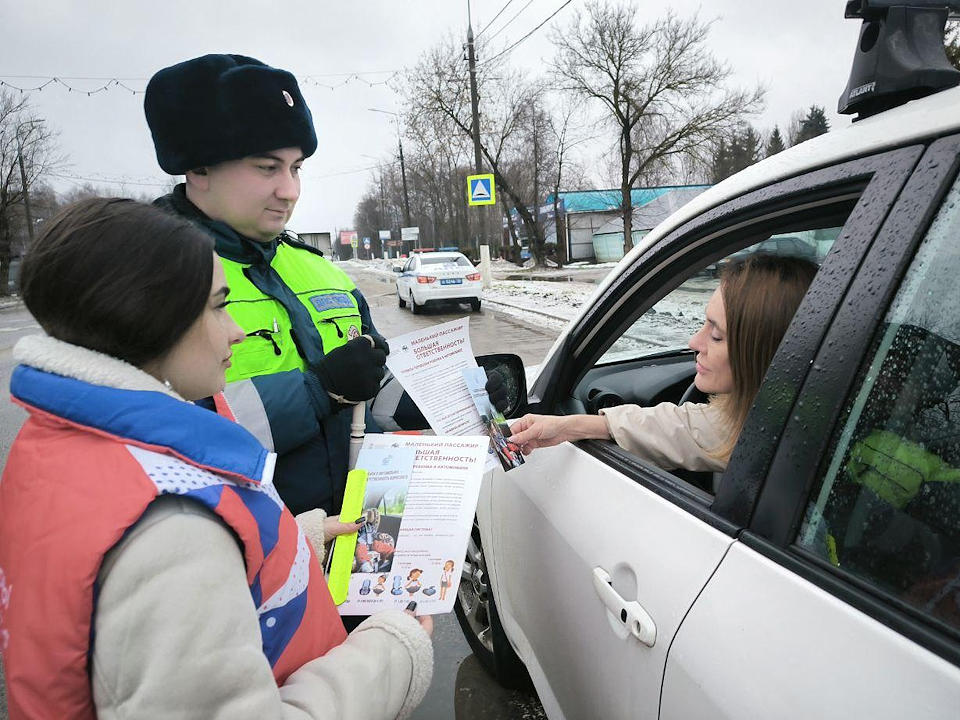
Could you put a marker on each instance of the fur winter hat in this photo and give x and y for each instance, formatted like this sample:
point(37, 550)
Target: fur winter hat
point(224, 107)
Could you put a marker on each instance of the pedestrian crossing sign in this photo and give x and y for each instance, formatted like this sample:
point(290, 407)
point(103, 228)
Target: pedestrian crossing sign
point(481, 190)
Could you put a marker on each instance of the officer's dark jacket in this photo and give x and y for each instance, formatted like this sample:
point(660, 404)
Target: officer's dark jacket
point(284, 405)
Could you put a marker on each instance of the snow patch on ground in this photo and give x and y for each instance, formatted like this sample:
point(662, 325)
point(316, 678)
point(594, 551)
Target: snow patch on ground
point(668, 324)
point(378, 267)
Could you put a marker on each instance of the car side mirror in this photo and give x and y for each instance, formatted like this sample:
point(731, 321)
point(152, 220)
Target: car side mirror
point(397, 269)
point(514, 377)
point(393, 409)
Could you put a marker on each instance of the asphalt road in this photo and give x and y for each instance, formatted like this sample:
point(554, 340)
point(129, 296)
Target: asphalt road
point(15, 322)
point(460, 689)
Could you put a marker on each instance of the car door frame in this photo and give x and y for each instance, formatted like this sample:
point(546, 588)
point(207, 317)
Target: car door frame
point(806, 439)
point(864, 189)
point(406, 276)
point(875, 181)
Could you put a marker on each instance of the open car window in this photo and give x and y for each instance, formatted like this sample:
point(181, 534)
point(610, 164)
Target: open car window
point(672, 321)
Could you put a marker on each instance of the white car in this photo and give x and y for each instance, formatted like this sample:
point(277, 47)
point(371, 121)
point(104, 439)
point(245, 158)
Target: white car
point(438, 277)
point(784, 588)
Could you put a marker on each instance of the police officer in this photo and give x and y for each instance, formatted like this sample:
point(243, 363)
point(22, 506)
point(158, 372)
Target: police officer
point(239, 130)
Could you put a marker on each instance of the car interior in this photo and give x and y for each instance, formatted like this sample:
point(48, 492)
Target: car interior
point(890, 504)
point(638, 368)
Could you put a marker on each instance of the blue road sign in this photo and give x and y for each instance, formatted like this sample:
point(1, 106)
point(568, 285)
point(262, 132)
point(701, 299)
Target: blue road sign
point(481, 190)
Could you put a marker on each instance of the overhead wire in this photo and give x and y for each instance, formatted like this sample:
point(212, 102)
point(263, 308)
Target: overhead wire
point(487, 26)
point(511, 48)
point(64, 176)
point(145, 181)
point(70, 83)
point(504, 27)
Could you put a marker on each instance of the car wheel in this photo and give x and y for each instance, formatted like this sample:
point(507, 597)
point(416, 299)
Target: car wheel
point(417, 309)
point(475, 305)
point(400, 301)
point(477, 613)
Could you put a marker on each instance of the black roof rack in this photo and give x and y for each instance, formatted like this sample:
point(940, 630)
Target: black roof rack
point(900, 55)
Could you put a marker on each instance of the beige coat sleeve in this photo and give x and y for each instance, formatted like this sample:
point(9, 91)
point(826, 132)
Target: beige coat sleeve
point(670, 436)
point(177, 636)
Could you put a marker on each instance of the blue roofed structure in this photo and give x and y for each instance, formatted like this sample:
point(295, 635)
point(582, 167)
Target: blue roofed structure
point(580, 201)
point(590, 212)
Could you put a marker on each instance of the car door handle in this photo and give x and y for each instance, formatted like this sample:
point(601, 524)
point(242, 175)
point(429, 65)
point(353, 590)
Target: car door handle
point(631, 613)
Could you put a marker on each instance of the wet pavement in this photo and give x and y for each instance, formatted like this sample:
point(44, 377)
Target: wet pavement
point(461, 688)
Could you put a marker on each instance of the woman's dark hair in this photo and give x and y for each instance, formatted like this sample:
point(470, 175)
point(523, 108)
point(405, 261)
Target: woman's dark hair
point(119, 277)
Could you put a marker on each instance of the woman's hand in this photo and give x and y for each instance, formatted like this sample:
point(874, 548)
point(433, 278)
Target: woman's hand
point(536, 431)
point(332, 527)
point(426, 622)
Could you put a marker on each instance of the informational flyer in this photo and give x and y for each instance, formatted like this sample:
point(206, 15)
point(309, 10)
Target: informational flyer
point(414, 538)
point(493, 421)
point(429, 364)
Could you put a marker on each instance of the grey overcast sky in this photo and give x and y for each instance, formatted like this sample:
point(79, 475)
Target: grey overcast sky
point(800, 50)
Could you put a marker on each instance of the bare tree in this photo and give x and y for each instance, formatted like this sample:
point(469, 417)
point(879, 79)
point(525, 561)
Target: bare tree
point(439, 85)
point(27, 151)
point(566, 133)
point(794, 126)
point(663, 91)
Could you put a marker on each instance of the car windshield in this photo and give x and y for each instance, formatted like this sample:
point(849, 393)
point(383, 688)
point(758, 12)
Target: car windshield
point(445, 260)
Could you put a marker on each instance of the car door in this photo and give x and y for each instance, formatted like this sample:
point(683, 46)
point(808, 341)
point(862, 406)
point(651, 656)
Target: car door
point(842, 599)
point(596, 556)
point(405, 277)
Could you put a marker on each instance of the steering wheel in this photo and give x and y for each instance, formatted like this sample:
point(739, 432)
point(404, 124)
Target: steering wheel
point(703, 480)
point(693, 394)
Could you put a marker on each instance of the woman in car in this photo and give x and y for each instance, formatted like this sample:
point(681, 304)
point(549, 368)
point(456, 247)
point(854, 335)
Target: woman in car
point(746, 318)
point(148, 567)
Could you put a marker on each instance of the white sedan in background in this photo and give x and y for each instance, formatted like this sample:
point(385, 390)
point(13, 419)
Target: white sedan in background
point(438, 277)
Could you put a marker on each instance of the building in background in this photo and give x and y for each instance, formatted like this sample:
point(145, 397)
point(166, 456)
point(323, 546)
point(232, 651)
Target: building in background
point(594, 228)
point(320, 240)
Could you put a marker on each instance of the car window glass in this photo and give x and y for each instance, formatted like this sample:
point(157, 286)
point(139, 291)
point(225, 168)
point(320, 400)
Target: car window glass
point(444, 260)
point(888, 507)
point(671, 322)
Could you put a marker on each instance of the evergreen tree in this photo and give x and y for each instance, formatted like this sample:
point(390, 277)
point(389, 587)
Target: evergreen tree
point(775, 142)
point(740, 150)
point(952, 44)
point(749, 148)
point(720, 167)
point(815, 123)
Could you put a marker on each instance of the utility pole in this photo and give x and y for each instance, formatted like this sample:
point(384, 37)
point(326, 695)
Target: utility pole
point(381, 220)
point(403, 175)
point(403, 170)
point(534, 241)
point(475, 127)
point(474, 102)
point(23, 183)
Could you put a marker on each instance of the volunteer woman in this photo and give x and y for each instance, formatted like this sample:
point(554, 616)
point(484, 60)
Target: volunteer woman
point(147, 565)
point(746, 318)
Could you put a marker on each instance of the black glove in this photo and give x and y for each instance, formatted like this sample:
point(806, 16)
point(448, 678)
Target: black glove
point(497, 391)
point(352, 373)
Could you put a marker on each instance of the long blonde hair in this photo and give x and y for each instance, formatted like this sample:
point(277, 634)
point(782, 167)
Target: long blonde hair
point(760, 294)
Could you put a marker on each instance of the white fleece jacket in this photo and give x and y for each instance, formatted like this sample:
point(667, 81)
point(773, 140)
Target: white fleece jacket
point(176, 631)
